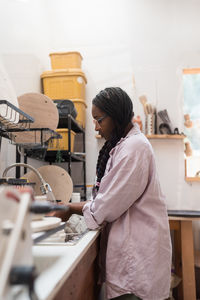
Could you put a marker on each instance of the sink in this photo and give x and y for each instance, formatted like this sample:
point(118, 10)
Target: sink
point(43, 263)
point(63, 238)
point(44, 259)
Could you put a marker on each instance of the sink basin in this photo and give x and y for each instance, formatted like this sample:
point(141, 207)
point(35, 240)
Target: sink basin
point(43, 263)
point(44, 259)
point(62, 238)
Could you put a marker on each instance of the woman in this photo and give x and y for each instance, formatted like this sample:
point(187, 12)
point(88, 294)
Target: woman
point(128, 203)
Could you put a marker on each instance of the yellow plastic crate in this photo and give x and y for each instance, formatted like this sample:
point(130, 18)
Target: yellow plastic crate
point(80, 106)
point(64, 84)
point(65, 60)
point(61, 144)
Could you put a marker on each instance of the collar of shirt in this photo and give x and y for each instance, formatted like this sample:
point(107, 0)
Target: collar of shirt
point(134, 130)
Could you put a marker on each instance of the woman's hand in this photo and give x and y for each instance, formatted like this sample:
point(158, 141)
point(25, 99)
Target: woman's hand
point(74, 208)
point(64, 215)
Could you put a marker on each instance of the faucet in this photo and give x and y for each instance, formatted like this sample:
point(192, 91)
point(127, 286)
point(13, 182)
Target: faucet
point(45, 187)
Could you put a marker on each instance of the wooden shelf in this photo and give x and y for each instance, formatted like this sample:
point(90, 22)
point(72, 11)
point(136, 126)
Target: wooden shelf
point(166, 136)
point(192, 179)
point(158, 136)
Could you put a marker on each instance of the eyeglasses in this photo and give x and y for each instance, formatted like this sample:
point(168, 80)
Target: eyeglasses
point(98, 121)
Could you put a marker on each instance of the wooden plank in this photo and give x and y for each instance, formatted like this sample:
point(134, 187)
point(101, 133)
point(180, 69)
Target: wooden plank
point(191, 71)
point(158, 136)
point(185, 163)
point(188, 274)
point(166, 136)
point(178, 258)
point(192, 179)
point(174, 225)
point(197, 258)
point(172, 218)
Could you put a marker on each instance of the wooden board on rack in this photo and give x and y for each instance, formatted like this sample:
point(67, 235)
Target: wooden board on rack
point(58, 179)
point(44, 112)
point(46, 223)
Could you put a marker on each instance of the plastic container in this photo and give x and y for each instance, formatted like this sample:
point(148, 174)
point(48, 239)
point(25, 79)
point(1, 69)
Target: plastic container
point(76, 197)
point(65, 107)
point(150, 124)
point(61, 144)
point(80, 106)
point(64, 84)
point(65, 60)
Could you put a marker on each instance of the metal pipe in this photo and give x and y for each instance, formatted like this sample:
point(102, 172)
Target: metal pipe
point(24, 165)
point(45, 187)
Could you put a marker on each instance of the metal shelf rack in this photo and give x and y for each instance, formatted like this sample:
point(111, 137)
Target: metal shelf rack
point(68, 156)
point(12, 119)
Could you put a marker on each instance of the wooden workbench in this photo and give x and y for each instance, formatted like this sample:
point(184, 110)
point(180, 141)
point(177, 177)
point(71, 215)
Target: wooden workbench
point(184, 255)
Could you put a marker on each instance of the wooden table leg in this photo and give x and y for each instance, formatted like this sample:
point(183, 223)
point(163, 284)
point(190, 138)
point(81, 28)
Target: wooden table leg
point(188, 274)
point(178, 260)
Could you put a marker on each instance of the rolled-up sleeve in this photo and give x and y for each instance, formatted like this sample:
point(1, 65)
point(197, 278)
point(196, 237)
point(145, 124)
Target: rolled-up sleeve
point(124, 183)
point(89, 216)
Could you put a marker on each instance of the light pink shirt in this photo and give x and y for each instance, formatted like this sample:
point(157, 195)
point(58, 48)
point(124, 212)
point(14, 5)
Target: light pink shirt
point(130, 201)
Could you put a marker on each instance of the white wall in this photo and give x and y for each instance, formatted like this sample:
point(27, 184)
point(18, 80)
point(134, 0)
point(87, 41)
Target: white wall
point(150, 40)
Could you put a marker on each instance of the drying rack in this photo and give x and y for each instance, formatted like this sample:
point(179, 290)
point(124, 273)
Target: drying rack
point(67, 156)
point(13, 120)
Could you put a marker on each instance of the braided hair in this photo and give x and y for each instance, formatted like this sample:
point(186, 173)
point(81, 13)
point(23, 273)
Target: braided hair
point(116, 104)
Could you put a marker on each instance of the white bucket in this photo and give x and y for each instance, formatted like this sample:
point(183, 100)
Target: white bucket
point(76, 197)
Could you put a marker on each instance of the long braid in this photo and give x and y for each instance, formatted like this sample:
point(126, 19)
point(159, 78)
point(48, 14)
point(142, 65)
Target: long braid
point(116, 104)
point(103, 158)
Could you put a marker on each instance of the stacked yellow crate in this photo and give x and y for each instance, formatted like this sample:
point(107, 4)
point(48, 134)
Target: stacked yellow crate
point(66, 81)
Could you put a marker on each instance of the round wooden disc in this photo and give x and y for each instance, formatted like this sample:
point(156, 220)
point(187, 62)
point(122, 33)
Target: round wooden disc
point(45, 224)
point(58, 179)
point(44, 112)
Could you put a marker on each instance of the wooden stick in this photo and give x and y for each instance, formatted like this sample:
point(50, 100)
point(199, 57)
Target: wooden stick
point(13, 241)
